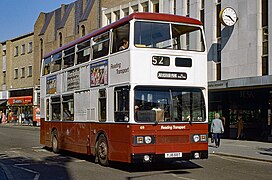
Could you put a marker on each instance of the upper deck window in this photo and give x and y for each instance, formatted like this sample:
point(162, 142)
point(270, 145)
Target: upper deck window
point(101, 45)
point(83, 52)
point(56, 62)
point(69, 57)
point(120, 38)
point(170, 36)
point(46, 66)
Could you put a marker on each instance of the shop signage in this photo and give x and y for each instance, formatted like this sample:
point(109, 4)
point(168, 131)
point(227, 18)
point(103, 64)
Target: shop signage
point(20, 100)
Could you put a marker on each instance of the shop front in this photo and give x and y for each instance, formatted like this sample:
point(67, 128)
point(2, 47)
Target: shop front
point(20, 110)
point(252, 103)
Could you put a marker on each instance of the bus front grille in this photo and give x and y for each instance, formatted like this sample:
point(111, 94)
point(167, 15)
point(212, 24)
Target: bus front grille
point(172, 139)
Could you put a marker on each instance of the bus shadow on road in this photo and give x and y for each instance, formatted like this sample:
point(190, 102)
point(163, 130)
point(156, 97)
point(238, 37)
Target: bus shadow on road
point(178, 167)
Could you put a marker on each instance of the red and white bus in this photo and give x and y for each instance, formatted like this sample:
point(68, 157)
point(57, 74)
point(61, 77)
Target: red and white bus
point(132, 91)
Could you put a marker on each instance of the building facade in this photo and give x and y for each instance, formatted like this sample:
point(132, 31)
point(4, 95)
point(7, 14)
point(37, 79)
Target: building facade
point(16, 80)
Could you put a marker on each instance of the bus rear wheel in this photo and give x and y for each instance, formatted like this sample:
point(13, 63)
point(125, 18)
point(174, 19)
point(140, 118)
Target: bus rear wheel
point(55, 143)
point(102, 150)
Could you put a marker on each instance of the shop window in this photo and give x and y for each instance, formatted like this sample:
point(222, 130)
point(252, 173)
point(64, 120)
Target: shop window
point(68, 107)
point(102, 105)
point(55, 106)
point(121, 104)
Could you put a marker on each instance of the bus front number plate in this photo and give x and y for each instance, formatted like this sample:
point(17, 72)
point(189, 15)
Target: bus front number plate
point(173, 155)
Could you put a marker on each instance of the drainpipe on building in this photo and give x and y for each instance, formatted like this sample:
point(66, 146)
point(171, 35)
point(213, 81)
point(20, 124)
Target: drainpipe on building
point(99, 13)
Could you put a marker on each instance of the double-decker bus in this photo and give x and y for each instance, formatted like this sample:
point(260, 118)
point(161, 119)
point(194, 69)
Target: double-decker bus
point(134, 91)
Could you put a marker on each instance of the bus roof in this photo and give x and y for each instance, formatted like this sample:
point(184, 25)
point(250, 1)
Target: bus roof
point(137, 15)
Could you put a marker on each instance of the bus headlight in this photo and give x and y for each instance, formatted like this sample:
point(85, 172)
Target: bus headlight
point(148, 139)
point(199, 138)
point(196, 138)
point(143, 139)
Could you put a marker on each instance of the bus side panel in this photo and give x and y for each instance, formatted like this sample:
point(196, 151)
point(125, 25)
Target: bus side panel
point(42, 132)
point(120, 140)
point(45, 133)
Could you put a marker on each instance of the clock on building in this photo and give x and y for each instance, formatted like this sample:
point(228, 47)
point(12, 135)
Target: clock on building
point(228, 16)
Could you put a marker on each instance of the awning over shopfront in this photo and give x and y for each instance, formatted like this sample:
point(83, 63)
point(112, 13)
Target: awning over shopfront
point(3, 102)
point(22, 100)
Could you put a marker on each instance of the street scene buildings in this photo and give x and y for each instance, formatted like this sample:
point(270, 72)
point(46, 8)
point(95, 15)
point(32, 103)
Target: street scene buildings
point(239, 65)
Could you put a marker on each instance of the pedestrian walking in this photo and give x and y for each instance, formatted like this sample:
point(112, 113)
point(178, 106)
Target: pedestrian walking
point(217, 129)
point(240, 127)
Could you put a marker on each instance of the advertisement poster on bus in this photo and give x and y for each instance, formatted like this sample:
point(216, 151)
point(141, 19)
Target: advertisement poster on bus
point(99, 73)
point(51, 85)
point(73, 79)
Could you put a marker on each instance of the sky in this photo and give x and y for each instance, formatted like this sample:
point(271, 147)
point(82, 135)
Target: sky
point(17, 17)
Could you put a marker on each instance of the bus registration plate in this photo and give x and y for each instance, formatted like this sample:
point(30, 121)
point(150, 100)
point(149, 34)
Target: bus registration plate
point(173, 155)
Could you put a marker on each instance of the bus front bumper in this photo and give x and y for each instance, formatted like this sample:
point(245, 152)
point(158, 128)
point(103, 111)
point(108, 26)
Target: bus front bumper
point(150, 157)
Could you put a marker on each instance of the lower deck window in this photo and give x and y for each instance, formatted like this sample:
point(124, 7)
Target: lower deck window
point(121, 104)
point(55, 105)
point(68, 108)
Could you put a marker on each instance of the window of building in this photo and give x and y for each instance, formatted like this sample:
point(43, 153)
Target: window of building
point(265, 42)
point(101, 45)
point(83, 30)
point(102, 105)
point(60, 39)
point(30, 47)
point(202, 12)
point(135, 8)
point(16, 73)
point(83, 52)
point(156, 7)
point(68, 107)
point(16, 51)
point(117, 15)
point(145, 6)
point(120, 37)
point(108, 16)
point(188, 8)
point(29, 71)
point(121, 104)
point(55, 106)
point(126, 12)
point(22, 72)
point(41, 48)
point(23, 49)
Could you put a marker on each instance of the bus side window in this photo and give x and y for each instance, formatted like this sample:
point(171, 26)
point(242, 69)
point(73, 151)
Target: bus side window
point(101, 45)
point(68, 107)
point(83, 52)
point(69, 57)
point(102, 105)
point(121, 104)
point(56, 62)
point(55, 106)
point(120, 36)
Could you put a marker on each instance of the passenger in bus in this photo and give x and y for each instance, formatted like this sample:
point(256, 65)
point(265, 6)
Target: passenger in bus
point(124, 45)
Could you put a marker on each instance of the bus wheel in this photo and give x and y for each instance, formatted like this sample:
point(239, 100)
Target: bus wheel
point(103, 151)
point(55, 143)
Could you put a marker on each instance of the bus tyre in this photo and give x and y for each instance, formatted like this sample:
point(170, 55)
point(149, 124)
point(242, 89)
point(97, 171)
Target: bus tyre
point(102, 150)
point(55, 143)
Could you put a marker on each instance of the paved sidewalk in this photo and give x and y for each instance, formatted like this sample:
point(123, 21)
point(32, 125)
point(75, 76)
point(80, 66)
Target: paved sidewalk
point(254, 150)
